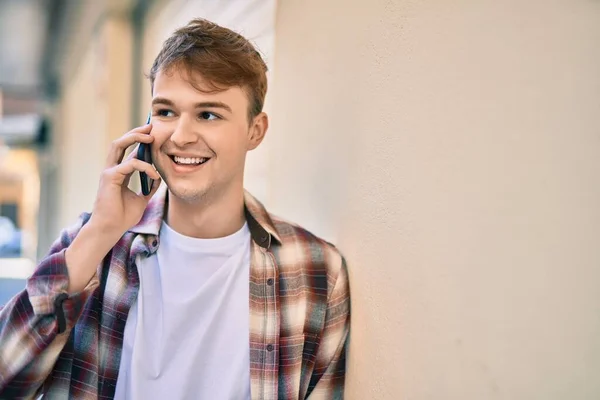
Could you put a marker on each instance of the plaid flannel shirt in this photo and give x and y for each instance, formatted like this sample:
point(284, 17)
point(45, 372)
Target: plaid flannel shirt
point(69, 347)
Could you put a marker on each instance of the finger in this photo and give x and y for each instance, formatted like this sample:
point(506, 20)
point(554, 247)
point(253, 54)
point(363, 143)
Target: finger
point(127, 180)
point(132, 165)
point(130, 156)
point(142, 128)
point(122, 171)
point(118, 146)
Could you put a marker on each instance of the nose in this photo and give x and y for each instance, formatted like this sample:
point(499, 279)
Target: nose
point(184, 133)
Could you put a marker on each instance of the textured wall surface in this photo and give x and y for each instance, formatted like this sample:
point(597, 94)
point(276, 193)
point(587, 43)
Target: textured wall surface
point(451, 149)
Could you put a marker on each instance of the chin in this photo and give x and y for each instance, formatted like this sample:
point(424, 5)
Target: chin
point(187, 193)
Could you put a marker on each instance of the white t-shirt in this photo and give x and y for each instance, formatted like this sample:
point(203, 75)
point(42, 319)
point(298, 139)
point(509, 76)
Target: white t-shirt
point(187, 335)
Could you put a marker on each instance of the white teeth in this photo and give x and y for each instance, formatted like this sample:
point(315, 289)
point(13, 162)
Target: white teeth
point(187, 160)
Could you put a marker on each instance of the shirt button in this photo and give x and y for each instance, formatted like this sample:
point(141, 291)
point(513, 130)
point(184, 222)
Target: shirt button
point(270, 281)
point(269, 347)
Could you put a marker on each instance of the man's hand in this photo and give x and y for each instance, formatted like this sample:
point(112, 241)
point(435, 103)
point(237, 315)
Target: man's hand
point(116, 209)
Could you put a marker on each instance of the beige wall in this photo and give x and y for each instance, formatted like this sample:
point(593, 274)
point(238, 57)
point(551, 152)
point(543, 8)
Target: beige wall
point(95, 109)
point(82, 136)
point(451, 149)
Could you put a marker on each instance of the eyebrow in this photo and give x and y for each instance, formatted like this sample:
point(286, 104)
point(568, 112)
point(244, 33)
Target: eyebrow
point(202, 104)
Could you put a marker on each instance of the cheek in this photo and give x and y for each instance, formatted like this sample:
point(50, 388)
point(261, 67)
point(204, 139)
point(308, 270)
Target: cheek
point(231, 145)
point(161, 135)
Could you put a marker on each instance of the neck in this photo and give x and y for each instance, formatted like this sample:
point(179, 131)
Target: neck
point(210, 218)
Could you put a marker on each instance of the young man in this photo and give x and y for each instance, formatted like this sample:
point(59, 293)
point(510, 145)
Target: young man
point(195, 291)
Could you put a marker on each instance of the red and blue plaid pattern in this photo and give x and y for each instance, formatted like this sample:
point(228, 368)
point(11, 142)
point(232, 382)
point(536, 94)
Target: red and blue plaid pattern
point(299, 315)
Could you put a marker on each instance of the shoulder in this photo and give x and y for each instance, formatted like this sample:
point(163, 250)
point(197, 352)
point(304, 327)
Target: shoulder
point(303, 251)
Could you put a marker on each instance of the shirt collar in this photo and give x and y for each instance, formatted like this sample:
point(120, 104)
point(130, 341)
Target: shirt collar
point(261, 226)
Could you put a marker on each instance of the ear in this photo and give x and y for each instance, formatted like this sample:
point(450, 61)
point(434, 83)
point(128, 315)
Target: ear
point(258, 129)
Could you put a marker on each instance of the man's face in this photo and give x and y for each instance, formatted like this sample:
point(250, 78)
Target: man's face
point(201, 139)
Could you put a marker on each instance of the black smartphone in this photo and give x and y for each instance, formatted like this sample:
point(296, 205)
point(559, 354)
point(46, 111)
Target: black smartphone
point(145, 154)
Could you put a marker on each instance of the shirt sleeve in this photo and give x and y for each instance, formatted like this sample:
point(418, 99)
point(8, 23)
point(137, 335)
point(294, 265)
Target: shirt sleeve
point(36, 323)
point(330, 367)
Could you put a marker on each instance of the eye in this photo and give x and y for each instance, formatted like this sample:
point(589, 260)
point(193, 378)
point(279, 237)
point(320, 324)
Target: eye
point(206, 115)
point(164, 113)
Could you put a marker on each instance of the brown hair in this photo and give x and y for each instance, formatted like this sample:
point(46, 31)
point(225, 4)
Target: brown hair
point(223, 58)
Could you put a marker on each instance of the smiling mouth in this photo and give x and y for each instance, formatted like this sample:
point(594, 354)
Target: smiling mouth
point(189, 160)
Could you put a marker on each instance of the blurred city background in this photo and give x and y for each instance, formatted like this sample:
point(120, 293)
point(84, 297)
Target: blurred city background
point(72, 79)
point(449, 148)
